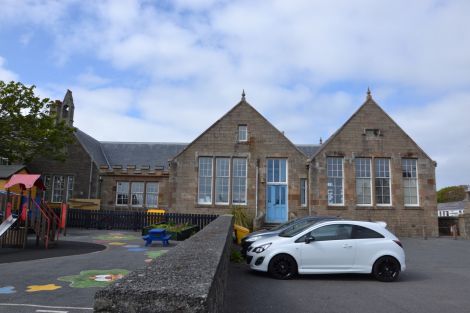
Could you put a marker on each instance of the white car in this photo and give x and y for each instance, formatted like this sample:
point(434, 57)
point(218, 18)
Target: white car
point(330, 247)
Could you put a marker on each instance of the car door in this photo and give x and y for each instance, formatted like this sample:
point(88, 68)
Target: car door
point(332, 249)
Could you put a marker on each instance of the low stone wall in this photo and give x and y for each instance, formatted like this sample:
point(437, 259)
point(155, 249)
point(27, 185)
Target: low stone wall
point(189, 278)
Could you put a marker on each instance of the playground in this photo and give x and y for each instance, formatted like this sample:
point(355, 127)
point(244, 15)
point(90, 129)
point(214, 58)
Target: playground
point(45, 267)
point(53, 279)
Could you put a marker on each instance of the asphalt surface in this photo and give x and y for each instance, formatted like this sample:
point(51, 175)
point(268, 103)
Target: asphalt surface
point(437, 279)
point(16, 278)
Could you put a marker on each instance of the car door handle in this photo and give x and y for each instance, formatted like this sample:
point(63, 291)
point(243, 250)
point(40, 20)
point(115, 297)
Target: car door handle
point(346, 246)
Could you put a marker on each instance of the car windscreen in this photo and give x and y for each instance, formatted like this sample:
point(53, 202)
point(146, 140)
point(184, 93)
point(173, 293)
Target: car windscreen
point(294, 231)
point(282, 226)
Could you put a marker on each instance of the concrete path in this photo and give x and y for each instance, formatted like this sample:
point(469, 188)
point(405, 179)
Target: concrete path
point(68, 283)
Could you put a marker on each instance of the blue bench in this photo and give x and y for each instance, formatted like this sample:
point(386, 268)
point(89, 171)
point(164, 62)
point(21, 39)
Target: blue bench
point(157, 234)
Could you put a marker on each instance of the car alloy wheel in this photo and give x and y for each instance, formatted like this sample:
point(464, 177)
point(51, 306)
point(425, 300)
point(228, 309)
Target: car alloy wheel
point(386, 269)
point(282, 266)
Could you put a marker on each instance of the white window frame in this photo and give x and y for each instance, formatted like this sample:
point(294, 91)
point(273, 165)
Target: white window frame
point(410, 178)
point(70, 185)
point(342, 181)
point(156, 193)
point(137, 193)
point(361, 177)
point(389, 180)
point(303, 192)
point(233, 183)
point(219, 178)
point(55, 188)
point(210, 180)
point(242, 133)
point(124, 193)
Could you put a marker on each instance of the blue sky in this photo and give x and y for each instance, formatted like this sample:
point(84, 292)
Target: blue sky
point(166, 70)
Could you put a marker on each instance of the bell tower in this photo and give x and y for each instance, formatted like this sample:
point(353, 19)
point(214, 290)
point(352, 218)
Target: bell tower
point(63, 110)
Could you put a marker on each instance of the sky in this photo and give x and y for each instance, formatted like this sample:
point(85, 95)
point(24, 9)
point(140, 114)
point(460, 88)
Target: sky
point(164, 71)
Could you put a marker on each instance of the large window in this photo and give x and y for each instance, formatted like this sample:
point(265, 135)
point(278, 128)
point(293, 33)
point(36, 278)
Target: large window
point(410, 181)
point(239, 181)
point(382, 182)
point(303, 192)
point(363, 181)
point(334, 168)
point(222, 178)
point(122, 193)
point(151, 195)
point(58, 185)
point(137, 193)
point(205, 181)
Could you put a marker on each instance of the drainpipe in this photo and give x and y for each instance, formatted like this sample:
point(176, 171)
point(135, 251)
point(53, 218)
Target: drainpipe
point(256, 191)
point(307, 191)
point(91, 180)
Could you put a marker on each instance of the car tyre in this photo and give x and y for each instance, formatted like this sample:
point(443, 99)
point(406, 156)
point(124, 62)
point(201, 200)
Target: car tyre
point(386, 269)
point(282, 266)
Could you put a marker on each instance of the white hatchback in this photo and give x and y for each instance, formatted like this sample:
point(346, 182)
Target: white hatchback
point(329, 248)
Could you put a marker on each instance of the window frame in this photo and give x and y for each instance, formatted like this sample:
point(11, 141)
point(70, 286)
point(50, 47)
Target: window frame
point(239, 177)
point(219, 178)
point(69, 190)
point(303, 192)
point(380, 177)
point(147, 193)
point(137, 193)
point(416, 187)
point(126, 194)
point(335, 177)
point(210, 177)
point(242, 129)
point(54, 189)
point(371, 196)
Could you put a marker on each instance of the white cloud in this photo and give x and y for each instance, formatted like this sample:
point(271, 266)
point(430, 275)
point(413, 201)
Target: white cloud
point(301, 63)
point(5, 74)
point(441, 128)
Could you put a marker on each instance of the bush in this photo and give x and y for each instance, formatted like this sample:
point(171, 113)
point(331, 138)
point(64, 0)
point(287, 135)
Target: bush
point(236, 256)
point(451, 194)
point(242, 218)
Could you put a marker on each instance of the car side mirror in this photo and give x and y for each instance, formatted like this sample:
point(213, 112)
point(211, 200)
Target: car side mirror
point(309, 238)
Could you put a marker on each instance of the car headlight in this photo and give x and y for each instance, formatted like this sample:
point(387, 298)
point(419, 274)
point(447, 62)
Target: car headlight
point(252, 239)
point(261, 248)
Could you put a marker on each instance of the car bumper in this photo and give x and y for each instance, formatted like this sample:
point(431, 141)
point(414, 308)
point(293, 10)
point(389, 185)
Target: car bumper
point(257, 261)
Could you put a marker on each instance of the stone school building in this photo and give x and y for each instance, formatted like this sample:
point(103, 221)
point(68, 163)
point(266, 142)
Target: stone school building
point(369, 169)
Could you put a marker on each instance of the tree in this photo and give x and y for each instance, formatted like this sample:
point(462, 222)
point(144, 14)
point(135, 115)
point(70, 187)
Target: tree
point(451, 194)
point(27, 129)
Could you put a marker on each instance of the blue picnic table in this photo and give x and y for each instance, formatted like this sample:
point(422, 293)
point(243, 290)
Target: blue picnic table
point(157, 234)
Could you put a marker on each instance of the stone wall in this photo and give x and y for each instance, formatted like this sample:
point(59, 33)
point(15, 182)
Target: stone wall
point(391, 142)
point(191, 277)
point(77, 164)
point(220, 140)
point(110, 177)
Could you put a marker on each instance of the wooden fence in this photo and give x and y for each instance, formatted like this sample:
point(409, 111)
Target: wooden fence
point(131, 220)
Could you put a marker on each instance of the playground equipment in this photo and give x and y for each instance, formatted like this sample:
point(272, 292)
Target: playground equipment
point(25, 212)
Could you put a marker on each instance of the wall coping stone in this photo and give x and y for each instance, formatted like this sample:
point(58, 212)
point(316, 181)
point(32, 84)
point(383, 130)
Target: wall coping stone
point(191, 277)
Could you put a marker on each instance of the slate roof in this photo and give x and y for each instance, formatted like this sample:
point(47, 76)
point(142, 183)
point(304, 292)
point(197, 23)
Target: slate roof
point(141, 154)
point(308, 150)
point(458, 205)
point(93, 147)
point(8, 170)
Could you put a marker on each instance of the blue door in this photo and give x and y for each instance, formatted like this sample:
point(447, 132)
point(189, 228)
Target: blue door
point(276, 204)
